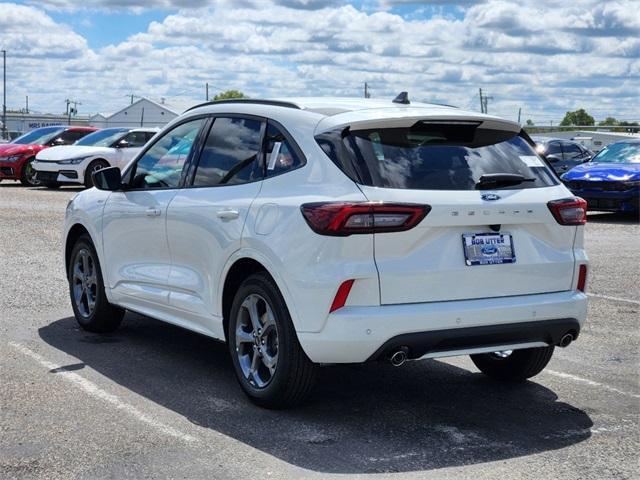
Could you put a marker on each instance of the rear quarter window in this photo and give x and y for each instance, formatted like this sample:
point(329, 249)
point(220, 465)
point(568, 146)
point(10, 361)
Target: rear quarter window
point(434, 157)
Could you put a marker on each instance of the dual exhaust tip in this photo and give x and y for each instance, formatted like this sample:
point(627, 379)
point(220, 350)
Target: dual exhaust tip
point(401, 355)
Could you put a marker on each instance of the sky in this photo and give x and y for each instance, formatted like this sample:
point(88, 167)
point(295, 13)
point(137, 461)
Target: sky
point(543, 57)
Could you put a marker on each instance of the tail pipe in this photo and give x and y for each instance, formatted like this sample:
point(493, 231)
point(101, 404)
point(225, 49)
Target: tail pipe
point(399, 356)
point(566, 340)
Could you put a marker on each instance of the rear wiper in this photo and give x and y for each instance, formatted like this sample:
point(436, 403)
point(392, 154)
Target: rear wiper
point(494, 180)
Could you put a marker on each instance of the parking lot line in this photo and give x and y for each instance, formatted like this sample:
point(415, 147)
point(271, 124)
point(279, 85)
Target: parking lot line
point(617, 299)
point(93, 390)
point(592, 383)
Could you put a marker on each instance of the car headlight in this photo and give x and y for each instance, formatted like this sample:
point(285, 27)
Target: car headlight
point(72, 161)
point(11, 159)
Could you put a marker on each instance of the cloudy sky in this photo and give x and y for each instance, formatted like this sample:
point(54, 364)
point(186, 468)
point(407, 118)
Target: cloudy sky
point(544, 56)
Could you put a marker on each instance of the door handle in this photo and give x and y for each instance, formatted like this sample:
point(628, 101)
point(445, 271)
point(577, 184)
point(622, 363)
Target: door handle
point(228, 214)
point(152, 212)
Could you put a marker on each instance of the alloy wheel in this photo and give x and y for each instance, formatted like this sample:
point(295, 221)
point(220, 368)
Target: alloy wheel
point(256, 338)
point(84, 283)
point(31, 175)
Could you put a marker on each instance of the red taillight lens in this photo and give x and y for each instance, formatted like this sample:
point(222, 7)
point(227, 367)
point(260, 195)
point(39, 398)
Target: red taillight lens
point(341, 295)
point(582, 278)
point(569, 211)
point(343, 218)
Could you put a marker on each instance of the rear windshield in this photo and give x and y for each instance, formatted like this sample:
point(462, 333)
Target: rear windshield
point(435, 157)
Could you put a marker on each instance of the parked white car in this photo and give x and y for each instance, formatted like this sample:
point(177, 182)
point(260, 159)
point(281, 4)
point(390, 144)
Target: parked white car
point(320, 231)
point(74, 164)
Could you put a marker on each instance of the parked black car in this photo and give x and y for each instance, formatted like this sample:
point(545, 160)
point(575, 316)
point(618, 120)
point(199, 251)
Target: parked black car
point(561, 153)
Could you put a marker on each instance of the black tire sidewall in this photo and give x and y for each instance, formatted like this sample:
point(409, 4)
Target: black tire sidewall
point(84, 242)
point(23, 176)
point(88, 178)
point(261, 285)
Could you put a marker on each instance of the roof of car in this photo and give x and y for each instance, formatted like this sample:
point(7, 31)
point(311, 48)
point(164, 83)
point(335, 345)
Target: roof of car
point(145, 129)
point(82, 129)
point(335, 112)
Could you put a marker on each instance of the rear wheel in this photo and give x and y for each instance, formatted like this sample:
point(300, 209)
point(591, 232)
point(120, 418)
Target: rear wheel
point(28, 176)
point(514, 366)
point(269, 362)
point(90, 306)
point(93, 167)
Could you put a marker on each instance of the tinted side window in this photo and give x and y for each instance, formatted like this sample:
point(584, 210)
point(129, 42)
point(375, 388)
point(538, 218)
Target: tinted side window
point(553, 148)
point(161, 166)
point(280, 155)
point(136, 139)
point(230, 154)
point(70, 137)
point(571, 150)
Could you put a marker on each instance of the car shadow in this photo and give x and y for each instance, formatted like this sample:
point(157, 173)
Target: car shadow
point(613, 218)
point(360, 419)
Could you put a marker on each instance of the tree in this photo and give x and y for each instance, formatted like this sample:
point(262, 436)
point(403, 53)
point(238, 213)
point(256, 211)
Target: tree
point(530, 122)
point(229, 94)
point(579, 117)
point(609, 122)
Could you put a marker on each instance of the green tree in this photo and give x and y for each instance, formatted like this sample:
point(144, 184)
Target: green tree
point(579, 117)
point(530, 122)
point(609, 122)
point(229, 94)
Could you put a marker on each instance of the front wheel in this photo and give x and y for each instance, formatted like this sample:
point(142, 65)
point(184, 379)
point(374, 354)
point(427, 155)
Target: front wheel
point(269, 362)
point(513, 366)
point(29, 175)
point(90, 305)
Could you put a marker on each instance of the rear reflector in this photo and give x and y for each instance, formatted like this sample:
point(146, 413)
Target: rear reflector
point(582, 278)
point(348, 218)
point(341, 295)
point(569, 211)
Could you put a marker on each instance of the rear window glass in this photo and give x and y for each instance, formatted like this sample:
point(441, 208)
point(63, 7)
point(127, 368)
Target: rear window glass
point(434, 157)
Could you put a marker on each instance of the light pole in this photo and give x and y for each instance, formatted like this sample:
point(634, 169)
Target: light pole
point(4, 94)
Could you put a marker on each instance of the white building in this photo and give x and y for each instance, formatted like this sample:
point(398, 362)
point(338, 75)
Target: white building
point(141, 113)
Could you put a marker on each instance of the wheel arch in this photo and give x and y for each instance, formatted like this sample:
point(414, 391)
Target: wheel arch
point(75, 232)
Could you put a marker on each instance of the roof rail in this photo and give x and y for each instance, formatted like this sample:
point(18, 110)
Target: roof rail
point(274, 103)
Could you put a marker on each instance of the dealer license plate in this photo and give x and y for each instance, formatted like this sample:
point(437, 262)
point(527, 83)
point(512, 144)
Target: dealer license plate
point(488, 248)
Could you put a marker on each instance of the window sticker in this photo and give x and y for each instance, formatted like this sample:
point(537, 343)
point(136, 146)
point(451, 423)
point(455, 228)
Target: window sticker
point(274, 155)
point(532, 161)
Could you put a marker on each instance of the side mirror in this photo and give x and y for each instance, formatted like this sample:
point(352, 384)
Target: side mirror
point(109, 178)
point(553, 158)
point(122, 144)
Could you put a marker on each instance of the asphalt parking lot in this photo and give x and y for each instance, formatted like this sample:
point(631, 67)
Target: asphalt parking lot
point(153, 401)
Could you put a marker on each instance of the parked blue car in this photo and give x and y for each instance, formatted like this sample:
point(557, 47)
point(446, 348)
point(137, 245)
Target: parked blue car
point(611, 180)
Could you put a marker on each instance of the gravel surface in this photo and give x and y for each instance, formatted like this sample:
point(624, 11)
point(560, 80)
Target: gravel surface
point(154, 401)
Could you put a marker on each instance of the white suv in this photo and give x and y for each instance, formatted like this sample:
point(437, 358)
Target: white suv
point(74, 164)
point(320, 231)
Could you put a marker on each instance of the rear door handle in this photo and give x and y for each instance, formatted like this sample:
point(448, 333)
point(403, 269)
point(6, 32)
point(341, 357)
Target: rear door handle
point(228, 214)
point(152, 212)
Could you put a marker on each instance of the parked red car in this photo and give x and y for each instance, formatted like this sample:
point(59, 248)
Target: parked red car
point(16, 157)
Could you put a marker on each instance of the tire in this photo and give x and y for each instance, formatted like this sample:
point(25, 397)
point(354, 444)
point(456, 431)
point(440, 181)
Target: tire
point(293, 374)
point(515, 367)
point(51, 185)
point(86, 288)
point(28, 175)
point(93, 167)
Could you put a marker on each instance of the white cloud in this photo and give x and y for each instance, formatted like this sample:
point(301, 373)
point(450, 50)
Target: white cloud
point(546, 56)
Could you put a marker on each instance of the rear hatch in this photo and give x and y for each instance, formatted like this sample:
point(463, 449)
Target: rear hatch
point(489, 232)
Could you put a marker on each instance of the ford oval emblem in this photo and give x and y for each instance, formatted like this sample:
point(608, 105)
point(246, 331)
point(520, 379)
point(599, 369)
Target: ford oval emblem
point(489, 250)
point(489, 197)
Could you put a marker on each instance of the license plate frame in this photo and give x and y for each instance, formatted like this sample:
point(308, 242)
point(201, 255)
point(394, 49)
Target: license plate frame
point(478, 249)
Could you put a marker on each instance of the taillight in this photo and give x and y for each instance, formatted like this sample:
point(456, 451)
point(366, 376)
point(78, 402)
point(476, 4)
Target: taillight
point(348, 218)
point(341, 295)
point(569, 211)
point(582, 278)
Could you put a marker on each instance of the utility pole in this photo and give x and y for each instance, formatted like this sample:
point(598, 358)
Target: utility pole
point(27, 103)
point(207, 90)
point(481, 102)
point(519, 112)
point(4, 94)
point(73, 110)
point(367, 94)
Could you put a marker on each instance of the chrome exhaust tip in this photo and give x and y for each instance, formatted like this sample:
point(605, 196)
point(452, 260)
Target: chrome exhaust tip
point(566, 340)
point(398, 357)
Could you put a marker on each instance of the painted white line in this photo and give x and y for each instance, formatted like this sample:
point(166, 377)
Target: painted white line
point(591, 383)
point(93, 390)
point(617, 299)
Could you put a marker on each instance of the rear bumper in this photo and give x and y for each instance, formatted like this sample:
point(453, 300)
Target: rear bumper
point(358, 334)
